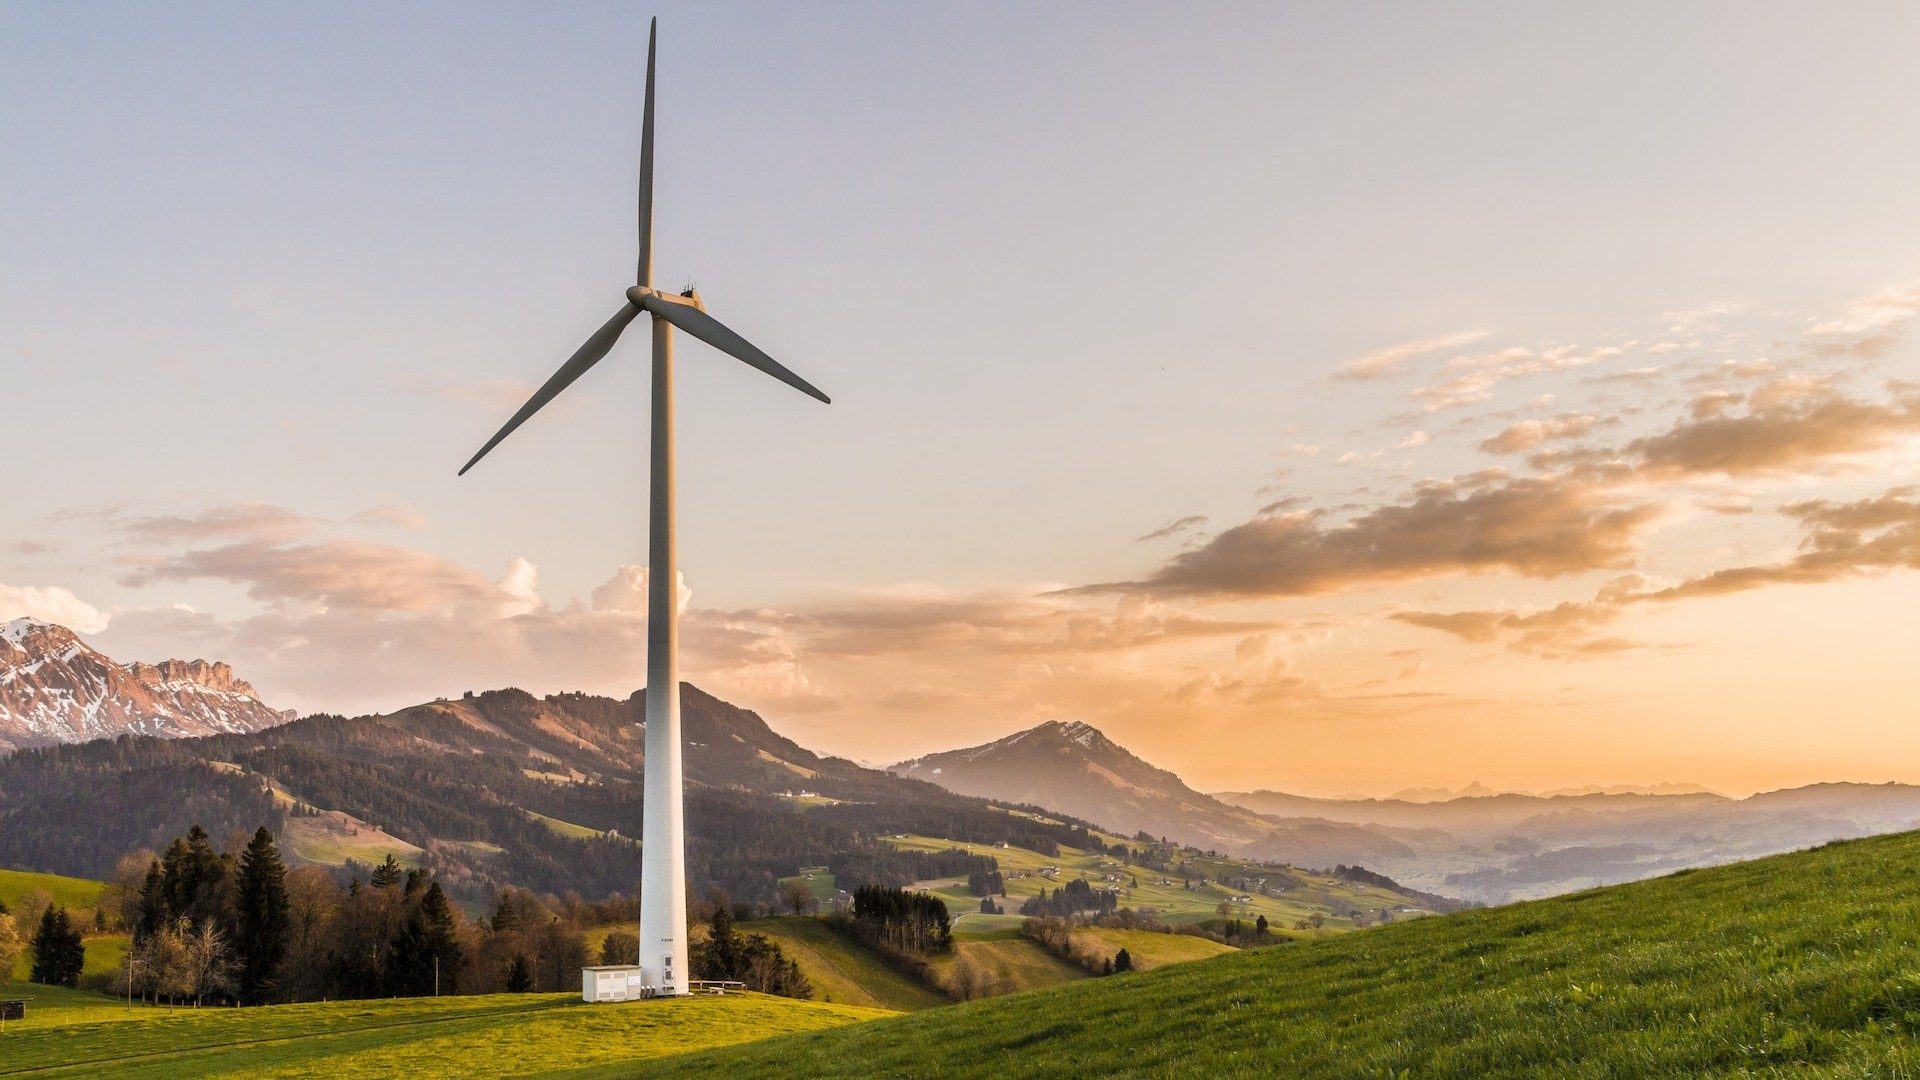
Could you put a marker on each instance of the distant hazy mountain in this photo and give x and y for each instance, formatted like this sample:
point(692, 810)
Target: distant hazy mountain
point(1495, 848)
point(54, 688)
point(1071, 768)
point(1477, 789)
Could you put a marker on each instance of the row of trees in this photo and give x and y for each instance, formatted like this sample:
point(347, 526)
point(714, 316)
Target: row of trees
point(1070, 899)
point(986, 883)
point(210, 926)
point(753, 959)
point(912, 922)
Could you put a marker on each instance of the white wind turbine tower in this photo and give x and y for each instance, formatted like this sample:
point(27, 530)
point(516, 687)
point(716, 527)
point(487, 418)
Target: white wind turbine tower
point(663, 888)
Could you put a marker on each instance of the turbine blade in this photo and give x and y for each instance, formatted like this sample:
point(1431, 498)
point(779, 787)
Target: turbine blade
point(688, 316)
point(588, 355)
point(644, 276)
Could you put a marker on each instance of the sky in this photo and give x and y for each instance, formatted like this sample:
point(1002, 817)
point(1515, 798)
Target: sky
point(1328, 398)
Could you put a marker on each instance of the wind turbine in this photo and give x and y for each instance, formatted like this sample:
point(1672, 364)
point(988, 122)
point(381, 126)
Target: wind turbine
point(663, 886)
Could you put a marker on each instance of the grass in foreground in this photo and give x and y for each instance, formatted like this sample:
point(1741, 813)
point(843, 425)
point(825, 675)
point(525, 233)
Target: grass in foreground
point(1804, 965)
point(500, 1035)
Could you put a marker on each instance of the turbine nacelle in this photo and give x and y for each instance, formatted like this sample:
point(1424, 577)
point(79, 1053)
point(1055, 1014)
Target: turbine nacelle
point(640, 294)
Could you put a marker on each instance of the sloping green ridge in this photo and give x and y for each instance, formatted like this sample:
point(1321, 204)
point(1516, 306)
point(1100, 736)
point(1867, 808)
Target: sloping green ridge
point(71, 892)
point(1805, 965)
point(842, 971)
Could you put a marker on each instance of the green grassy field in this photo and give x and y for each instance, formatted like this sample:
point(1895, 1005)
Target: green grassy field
point(69, 1033)
point(1148, 949)
point(1310, 895)
point(104, 953)
point(330, 840)
point(1015, 963)
point(843, 971)
point(1804, 965)
point(820, 883)
point(71, 892)
point(571, 831)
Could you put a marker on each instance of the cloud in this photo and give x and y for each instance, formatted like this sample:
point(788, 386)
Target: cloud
point(1868, 326)
point(1528, 434)
point(1535, 527)
point(1564, 631)
point(1174, 528)
point(626, 590)
point(1389, 362)
point(50, 603)
point(1012, 624)
point(1784, 428)
point(1704, 318)
point(334, 574)
point(1471, 379)
point(1889, 307)
point(249, 519)
point(1840, 540)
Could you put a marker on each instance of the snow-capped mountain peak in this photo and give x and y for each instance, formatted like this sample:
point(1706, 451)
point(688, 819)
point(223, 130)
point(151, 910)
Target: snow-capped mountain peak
point(55, 688)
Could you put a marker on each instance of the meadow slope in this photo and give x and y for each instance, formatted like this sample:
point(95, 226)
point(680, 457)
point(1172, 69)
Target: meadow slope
point(1805, 964)
point(73, 1033)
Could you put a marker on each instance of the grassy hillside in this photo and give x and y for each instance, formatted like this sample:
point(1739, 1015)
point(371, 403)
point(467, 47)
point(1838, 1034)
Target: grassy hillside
point(1148, 949)
point(68, 1033)
point(1012, 963)
point(1293, 895)
point(1805, 964)
point(71, 892)
point(104, 953)
point(843, 971)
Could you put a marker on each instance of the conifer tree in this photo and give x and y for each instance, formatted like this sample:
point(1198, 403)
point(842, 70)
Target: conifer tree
point(262, 924)
point(427, 943)
point(58, 952)
point(1122, 961)
point(519, 976)
point(387, 873)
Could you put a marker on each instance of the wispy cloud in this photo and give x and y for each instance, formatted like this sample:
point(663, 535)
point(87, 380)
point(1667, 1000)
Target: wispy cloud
point(1176, 527)
point(1392, 361)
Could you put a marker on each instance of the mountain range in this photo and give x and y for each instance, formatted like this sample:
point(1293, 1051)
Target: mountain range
point(504, 787)
point(1071, 768)
point(1488, 847)
point(500, 788)
point(54, 688)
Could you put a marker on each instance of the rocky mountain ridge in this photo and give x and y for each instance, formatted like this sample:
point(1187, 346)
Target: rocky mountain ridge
point(55, 688)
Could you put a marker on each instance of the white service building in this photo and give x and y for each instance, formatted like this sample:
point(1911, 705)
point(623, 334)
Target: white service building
point(620, 982)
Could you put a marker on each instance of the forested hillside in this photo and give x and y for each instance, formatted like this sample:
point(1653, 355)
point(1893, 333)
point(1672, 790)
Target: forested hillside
point(499, 788)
